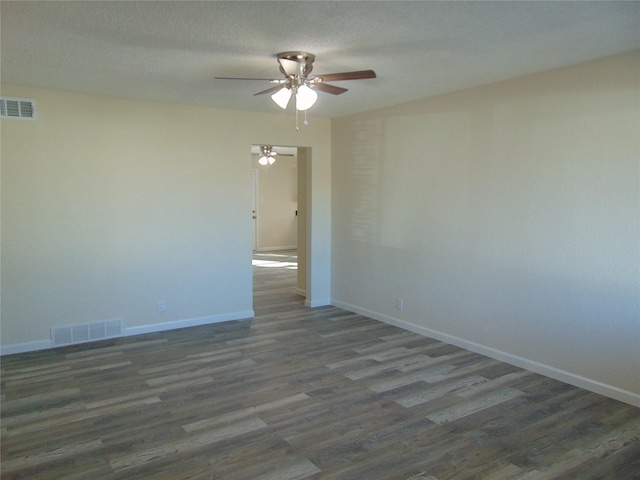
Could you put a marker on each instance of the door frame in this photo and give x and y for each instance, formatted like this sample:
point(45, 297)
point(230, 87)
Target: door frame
point(254, 215)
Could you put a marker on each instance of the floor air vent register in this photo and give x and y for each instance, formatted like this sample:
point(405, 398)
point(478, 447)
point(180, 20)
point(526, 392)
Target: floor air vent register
point(88, 332)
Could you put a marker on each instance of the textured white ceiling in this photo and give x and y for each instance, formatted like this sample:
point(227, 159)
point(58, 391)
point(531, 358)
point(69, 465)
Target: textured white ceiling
point(171, 51)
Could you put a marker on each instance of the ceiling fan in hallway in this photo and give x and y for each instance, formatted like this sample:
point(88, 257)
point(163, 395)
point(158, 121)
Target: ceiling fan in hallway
point(296, 68)
point(267, 155)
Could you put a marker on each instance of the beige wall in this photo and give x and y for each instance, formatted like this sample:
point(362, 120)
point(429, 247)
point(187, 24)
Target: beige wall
point(277, 198)
point(506, 217)
point(109, 205)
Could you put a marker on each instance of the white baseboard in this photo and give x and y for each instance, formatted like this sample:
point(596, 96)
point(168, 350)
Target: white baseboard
point(156, 327)
point(188, 322)
point(301, 292)
point(317, 303)
point(25, 347)
point(276, 249)
point(531, 365)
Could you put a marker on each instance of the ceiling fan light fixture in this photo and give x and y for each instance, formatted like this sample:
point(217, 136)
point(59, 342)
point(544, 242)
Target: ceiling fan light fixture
point(271, 160)
point(263, 160)
point(305, 97)
point(281, 97)
point(296, 68)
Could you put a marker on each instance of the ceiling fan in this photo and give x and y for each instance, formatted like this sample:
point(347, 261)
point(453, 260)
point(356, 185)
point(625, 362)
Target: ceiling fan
point(267, 155)
point(296, 67)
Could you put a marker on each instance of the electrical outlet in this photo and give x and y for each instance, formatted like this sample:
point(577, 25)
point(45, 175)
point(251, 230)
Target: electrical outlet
point(399, 303)
point(161, 306)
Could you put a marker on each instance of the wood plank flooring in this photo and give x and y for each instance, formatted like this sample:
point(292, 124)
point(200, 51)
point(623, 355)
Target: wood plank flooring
point(299, 393)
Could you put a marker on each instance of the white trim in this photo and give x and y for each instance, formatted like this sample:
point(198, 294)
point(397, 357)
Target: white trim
point(152, 328)
point(25, 347)
point(317, 303)
point(188, 322)
point(275, 249)
point(531, 365)
point(301, 292)
point(254, 207)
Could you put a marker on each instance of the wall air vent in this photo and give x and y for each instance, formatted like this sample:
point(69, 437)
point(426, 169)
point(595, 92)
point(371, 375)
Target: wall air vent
point(18, 108)
point(87, 332)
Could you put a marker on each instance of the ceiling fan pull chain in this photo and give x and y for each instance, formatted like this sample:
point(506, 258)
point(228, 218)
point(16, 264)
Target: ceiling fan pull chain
point(297, 126)
point(306, 122)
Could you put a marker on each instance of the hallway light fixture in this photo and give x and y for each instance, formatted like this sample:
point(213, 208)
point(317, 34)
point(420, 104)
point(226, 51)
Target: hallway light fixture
point(267, 159)
point(266, 154)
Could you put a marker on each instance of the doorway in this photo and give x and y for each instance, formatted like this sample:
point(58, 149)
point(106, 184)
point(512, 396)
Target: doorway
point(275, 195)
point(279, 216)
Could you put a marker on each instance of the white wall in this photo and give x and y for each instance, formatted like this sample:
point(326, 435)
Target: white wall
point(110, 205)
point(506, 217)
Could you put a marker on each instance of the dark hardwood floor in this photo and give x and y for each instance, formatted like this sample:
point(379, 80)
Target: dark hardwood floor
point(299, 393)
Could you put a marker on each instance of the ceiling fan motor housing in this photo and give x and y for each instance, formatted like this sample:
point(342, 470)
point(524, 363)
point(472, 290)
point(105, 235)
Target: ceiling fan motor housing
point(296, 64)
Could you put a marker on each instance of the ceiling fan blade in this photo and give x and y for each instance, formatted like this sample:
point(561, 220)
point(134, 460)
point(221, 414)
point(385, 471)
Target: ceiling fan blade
point(332, 89)
point(273, 153)
point(270, 90)
point(335, 77)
